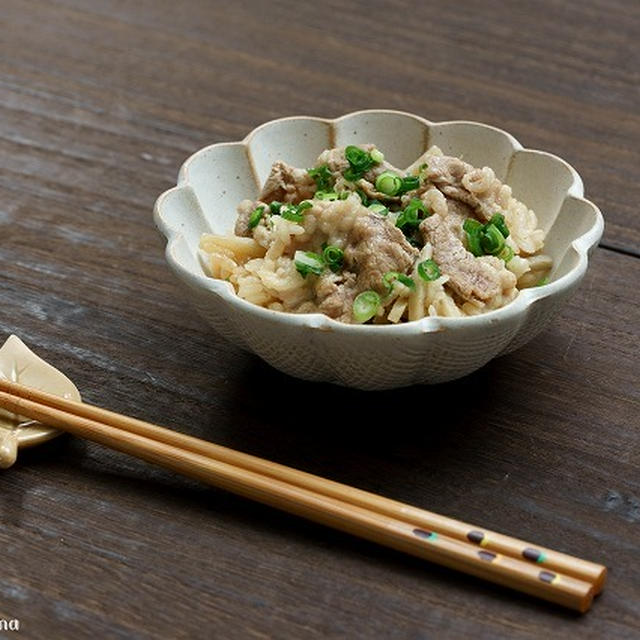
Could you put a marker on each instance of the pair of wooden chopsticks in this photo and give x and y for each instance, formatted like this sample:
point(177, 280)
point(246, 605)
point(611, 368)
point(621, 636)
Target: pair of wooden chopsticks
point(544, 573)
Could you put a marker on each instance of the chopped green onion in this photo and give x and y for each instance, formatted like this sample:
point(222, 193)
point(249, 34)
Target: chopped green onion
point(470, 225)
point(474, 245)
point(351, 175)
point(363, 197)
point(292, 212)
point(333, 256)
point(418, 208)
point(497, 219)
point(388, 183)
point(423, 167)
point(365, 306)
point(377, 156)
point(488, 238)
point(379, 208)
point(411, 216)
point(343, 195)
point(491, 239)
point(356, 156)
point(506, 254)
point(322, 177)
point(473, 229)
point(428, 270)
point(308, 262)
point(409, 184)
point(542, 282)
point(256, 216)
point(391, 276)
point(326, 195)
point(275, 207)
point(359, 161)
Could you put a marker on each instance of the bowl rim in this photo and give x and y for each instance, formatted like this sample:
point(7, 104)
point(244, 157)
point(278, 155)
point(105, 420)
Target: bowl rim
point(429, 324)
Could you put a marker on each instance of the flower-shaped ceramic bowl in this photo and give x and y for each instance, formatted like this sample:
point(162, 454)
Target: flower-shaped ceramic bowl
point(315, 347)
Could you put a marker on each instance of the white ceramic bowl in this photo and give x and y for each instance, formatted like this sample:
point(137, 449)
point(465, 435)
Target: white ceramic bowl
point(312, 346)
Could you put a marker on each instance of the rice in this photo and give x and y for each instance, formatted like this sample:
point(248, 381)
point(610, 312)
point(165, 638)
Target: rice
point(262, 268)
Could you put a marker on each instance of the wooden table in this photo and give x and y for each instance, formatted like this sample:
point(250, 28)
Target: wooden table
point(100, 102)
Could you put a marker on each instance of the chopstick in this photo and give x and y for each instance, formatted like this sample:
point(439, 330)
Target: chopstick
point(363, 514)
point(489, 540)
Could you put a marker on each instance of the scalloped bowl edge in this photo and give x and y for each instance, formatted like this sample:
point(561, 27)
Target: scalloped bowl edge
point(323, 341)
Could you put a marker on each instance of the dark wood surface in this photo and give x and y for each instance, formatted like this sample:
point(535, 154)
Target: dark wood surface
point(100, 102)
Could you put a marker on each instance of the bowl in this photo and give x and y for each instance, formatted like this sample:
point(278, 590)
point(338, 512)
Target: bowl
point(315, 347)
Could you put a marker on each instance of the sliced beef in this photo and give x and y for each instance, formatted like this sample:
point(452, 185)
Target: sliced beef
point(287, 184)
point(335, 294)
point(446, 170)
point(334, 159)
point(472, 279)
point(375, 247)
point(458, 212)
point(447, 173)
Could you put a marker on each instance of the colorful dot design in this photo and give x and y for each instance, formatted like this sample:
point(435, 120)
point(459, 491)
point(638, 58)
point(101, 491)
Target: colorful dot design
point(534, 555)
point(549, 577)
point(425, 535)
point(477, 537)
point(487, 556)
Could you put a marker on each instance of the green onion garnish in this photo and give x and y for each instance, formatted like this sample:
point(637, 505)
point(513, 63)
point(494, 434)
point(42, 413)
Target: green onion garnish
point(498, 220)
point(473, 228)
point(326, 195)
point(333, 256)
point(491, 239)
point(542, 282)
point(474, 245)
point(322, 177)
point(377, 156)
point(391, 276)
point(308, 262)
point(428, 270)
point(356, 156)
point(365, 306)
point(488, 238)
point(409, 184)
point(379, 208)
point(359, 163)
point(417, 208)
point(471, 225)
point(363, 197)
point(388, 183)
point(506, 254)
point(343, 195)
point(411, 216)
point(256, 216)
point(293, 212)
point(290, 212)
point(275, 207)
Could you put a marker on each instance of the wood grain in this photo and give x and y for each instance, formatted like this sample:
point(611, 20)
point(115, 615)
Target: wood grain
point(100, 102)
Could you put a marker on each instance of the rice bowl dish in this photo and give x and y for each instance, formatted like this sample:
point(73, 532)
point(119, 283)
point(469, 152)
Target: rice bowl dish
point(359, 240)
point(376, 353)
